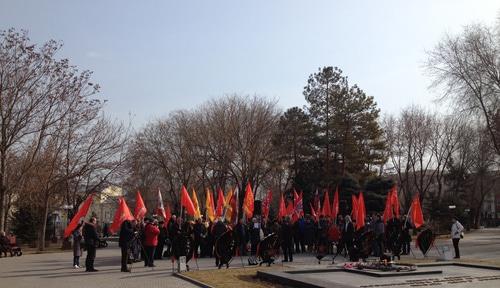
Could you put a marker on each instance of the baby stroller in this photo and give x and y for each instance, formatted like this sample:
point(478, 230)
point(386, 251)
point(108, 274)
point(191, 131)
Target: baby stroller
point(11, 247)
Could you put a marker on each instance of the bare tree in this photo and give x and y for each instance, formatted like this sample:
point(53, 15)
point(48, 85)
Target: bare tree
point(410, 150)
point(467, 67)
point(446, 134)
point(36, 92)
point(223, 143)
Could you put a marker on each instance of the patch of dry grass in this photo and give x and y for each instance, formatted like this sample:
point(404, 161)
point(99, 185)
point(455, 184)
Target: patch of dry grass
point(234, 277)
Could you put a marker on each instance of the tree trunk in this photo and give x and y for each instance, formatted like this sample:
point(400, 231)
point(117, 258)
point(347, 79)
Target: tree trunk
point(43, 228)
point(3, 189)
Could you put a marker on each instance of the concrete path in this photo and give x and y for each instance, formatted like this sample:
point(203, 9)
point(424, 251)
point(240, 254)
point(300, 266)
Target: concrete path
point(53, 270)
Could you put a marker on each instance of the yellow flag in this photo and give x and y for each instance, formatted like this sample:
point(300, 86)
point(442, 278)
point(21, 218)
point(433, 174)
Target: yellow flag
point(194, 198)
point(229, 210)
point(228, 198)
point(209, 204)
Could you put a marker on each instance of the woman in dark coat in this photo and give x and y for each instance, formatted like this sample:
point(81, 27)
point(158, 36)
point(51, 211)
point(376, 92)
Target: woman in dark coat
point(309, 232)
point(124, 241)
point(77, 249)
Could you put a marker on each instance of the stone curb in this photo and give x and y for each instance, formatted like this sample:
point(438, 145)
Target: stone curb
point(191, 280)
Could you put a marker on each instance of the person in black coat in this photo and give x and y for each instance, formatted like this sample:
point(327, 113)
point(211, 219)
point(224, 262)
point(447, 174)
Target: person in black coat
point(197, 232)
point(405, 236)
point(218, 229)
point(170, 235)
point(91, 241)
point(347, 236)
point(286, 235)
point(162, 239)
point(242, 237)
point(124, 241)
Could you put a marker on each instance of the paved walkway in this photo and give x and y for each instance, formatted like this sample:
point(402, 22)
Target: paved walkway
point(54, 269)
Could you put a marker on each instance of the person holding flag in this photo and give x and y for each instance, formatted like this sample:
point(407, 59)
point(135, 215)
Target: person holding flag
point(91, 241)
point(347, 236)
point(127, 234)
point(151, 232)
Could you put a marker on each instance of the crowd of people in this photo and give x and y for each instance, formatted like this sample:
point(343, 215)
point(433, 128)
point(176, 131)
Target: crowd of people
point(153, 239)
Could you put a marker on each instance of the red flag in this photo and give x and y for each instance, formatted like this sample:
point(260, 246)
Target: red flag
point(220, 203)
point(168, 214)
point(416, 214)
point(326, 205)
point(354, 211)
point(395, 202)
point(160, 209)
point(289, 208)
point(295, 197)
point(229, 214)
point(266, 203)
point(209, 205)
point(248, 201)
point(360, 219)
point(82, 212)
point(313, 213)
point(122, 213)
point(391, 205)
point(388, 206)
point(298, 209)
point(186, 202)
point(140, 209)
point(282, 208)
point(335, 205)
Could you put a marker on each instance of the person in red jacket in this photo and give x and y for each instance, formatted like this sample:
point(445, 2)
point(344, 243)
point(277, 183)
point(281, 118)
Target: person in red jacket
point(151, 232)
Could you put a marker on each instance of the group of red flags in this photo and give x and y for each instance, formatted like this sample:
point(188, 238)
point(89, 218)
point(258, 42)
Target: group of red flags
point(227, 207)
point(294, 209)
point(326, 209)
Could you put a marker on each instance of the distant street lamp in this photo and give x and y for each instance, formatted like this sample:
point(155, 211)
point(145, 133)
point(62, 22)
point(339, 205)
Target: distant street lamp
point(54, 216)
point(66, 208)
point(66, 244)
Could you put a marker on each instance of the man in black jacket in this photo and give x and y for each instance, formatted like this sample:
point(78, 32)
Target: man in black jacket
point(91, 241)
point(197, 231)
point(347, 236)
point(287, 239)
point(218, 229)
point(124, 241)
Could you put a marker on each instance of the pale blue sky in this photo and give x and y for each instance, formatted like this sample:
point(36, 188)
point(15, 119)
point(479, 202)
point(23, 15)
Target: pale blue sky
point(152, 57)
